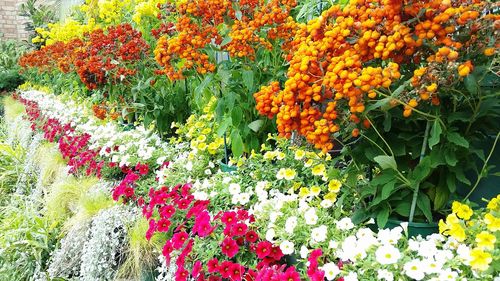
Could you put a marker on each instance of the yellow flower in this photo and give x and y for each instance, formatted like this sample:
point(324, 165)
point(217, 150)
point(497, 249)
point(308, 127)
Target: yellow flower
point(492, 222)
point(318, 170)
point(280, 155)
point(480, 260)
point(299, 154)
point(304, 192)
point(334, 185)
point(206, 131)
point(485, 240)
point(493, 204)
point(212, 148)
point(290, 174)
point(308, 163)
point(461, 210)
point(201, 138)
point(202, 146)
point(332, 196)
point(315, 190)
point(269, 155)
point(451, 219)
point(442, 226)
point(456, 231)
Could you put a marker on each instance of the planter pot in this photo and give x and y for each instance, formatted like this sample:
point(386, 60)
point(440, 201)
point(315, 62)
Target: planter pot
point(227, 168)
point(414, 228)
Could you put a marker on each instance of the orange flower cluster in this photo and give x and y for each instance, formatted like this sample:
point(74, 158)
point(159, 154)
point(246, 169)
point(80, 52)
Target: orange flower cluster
point(198, 28)
point(244, 33)
point(184, 51)
point(56, 56)
point(348, 55)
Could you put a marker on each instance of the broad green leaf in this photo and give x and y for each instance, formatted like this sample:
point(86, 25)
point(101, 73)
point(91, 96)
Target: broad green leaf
point(386, 162)
point(441, 198)
point(422, 170)
point(382, 217)
point(403, 208)
point(435, 134)
point(226, 41)
point(256, 125)
point(424, 204)
point(224, 125)
point(471, 84)
point(236, 144)
point(457, 139)
point(248, 79)
point(450, 157)
point(388, 189)
point(236, 115)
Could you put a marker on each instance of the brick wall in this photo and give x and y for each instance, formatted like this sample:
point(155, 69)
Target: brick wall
point(11, 24)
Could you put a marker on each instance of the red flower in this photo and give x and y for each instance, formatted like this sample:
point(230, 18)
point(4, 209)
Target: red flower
point(183, 204)
point(182, 274)
point(151, 229)
point(276, 253)
point(196, 269)
point(236, 272)
point(252, 275)
point(229, 218)
point(251, 236)
point(167, 211)
point(239, 229)
point(178, 239)
point(128, 191)
point(290, 275)
point(213, 265)
point(167, 249)
point(263, 249)
point(143, 169)
point(229, 247)
point(163, 225)
point(225, 268)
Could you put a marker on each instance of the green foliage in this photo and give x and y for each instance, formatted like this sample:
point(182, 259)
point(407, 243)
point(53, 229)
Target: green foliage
point(12, 109)
point(26, 239)
point(50, 162)
point(10, 51)
point(38, 15)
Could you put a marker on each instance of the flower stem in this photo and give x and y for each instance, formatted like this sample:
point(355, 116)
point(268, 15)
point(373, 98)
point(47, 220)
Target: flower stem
point(480, 175)
point(417, 186)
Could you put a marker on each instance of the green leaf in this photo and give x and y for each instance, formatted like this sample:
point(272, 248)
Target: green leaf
point(451, 182)
point(457, 139)
point(403, 208)
point(237, 115)
point(388, 189)
point(386, 162)
point(248, 79)
point(382, 217)
point(226, 41)
point(224, 125)
point(435, 134)
point(471, 84)
point(424, 204)
point(422, 170)
point(256, 125)
point(236, 143)
point(441, 198)
point(450, 157)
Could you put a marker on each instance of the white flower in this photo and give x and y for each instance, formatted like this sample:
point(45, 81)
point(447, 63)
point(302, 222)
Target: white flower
point(304, 252)
point(208, 172)
point(414, 269)
point(333, 244)
point(287, 247)
point(270, 235)
point(331, 270)
point(448, 274)
point(161, 160)
point(427, 249)
point(345, 224)
point(226, 180)
point(273, 216)
point(310, 216)
point(463, 252)
point(326, 203)
point(243, 198)
point(352, 276)
point(443, 256)
point(387, 254)
point(189, 166)
point(431, 266)
point(200, 195)
point(234, 188)
point(384, 274)
point(318, 234)
point(390, 236)
point(290, 224)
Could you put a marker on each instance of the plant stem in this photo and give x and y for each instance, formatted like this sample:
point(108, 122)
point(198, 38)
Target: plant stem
point(417, 186)
point(381, 137)
point(480, 175)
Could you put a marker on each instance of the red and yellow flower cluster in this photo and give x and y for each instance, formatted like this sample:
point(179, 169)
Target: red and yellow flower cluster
point(350, 54)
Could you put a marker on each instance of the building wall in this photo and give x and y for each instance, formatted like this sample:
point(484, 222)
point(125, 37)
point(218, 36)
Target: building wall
point(11, 24)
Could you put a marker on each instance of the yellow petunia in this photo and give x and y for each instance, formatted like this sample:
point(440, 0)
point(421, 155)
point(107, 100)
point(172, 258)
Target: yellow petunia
point(319, 170)
point(492, 222)
point(494, 203)
point(308, 163)
point(456, 231)
point(332, 196)
point(299, 154)
point(202, 146)
point(480, 260)
point(290, 174)
point(334, 185)
point(486, 240)
point(315, 190)
point(463, 211)
point(304, 192)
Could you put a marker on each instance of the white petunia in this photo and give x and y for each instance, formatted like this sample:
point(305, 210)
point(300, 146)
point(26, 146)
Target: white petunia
point(384, 274)
point(414, 269)
point(304, 252)
point(326, 203)
point(387, 254)
point(234, 188)
point(270, 235)
point(290, 224)
point(431, 266)
point(287, 247)
point(318, 234)
point(243, 198)
point(345, 224)
point(189, 166)
point(352, 276)
point(390, 236)
point(333, 244)
point(310, 216)
point(448, 274)
point(331, 270)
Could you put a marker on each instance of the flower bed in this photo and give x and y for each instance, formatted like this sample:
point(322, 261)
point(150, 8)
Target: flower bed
point(243, 225)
